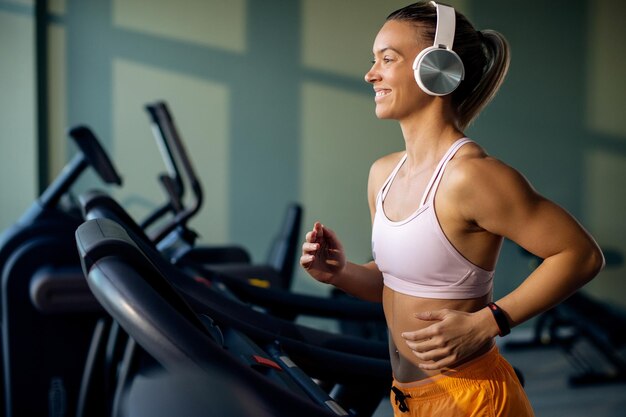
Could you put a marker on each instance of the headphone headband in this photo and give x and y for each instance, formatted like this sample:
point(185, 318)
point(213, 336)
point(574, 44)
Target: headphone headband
point(438, 69)
point(446, 25)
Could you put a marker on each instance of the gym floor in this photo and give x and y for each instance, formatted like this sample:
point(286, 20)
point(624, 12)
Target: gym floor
point(546, 371)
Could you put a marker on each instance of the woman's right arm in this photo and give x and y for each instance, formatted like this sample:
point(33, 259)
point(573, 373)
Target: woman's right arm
point(323, 256)
point(324, 259)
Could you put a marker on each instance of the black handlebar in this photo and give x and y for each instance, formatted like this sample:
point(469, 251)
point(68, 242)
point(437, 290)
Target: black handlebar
point(165, 148)
point(91, 153)
point(173, 151)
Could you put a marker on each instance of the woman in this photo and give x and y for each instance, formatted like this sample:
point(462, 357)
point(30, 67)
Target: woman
point(440, 211)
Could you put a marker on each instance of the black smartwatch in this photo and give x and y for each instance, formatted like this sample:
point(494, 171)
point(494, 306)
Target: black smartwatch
point(503, 323)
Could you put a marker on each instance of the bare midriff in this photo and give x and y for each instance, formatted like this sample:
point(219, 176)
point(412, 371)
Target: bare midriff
point(400, 312)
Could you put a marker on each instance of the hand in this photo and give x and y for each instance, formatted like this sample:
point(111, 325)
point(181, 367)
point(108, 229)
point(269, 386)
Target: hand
point(453, 336)
point(322, 254)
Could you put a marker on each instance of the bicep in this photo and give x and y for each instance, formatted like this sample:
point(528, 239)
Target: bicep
point(508, 206)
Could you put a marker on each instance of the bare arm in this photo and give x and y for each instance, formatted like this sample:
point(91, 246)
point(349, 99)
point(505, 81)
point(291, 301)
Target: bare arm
point(514, 210)
point(324, 259)
point(497, 199)
point(323, 255)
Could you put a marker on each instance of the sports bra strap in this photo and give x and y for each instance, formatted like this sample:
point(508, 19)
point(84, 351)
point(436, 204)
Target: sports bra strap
point(431, 188)
point(385, 188)
point(434, 180)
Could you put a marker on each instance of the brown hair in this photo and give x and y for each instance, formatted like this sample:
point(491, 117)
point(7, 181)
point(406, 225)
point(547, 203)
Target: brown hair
point(485, 55)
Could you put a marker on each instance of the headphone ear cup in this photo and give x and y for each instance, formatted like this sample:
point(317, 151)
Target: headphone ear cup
point(417, 69)
point(438, 71)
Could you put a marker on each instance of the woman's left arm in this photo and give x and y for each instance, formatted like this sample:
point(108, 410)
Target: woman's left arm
point(499, 200)
point(571, 257)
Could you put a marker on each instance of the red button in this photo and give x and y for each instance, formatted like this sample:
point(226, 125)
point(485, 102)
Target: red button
point(266, 362)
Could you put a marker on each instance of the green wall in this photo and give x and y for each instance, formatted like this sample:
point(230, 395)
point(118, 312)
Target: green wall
point(18, 146)
point(270, 99)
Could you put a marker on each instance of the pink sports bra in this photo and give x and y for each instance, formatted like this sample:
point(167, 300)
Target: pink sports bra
point(415, 256)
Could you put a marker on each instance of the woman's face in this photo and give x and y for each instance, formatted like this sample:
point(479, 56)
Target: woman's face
point(397, 94)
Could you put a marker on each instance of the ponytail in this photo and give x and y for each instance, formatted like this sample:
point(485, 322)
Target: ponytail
point(471, 103)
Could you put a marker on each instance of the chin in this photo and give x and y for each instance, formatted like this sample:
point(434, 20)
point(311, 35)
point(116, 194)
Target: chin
point(381, 114)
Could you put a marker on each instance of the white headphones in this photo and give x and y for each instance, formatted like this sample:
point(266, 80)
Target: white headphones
point(438, 69)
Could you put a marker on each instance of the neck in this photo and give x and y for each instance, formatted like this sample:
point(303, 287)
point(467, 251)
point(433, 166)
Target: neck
point(428, 134)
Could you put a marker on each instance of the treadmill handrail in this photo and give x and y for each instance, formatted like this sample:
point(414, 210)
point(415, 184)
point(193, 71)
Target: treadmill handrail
point(176, 149)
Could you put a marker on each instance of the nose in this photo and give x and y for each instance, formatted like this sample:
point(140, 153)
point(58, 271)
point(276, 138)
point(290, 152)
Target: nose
point(372, 75)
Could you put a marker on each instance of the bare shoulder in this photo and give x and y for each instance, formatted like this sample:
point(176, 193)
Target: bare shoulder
point(482, 186)
point(473, 169)
point(382, 167)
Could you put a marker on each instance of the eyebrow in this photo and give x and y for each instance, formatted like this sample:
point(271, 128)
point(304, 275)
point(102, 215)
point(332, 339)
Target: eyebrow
point(385, 49)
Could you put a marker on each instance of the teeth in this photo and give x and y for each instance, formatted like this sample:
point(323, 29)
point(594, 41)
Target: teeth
point(381, 93)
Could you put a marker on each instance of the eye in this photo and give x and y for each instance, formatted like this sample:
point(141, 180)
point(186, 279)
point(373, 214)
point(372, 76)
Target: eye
point(385, 59)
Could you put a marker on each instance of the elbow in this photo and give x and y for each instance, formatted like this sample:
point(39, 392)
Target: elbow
point(600, 261)
point(594, 262)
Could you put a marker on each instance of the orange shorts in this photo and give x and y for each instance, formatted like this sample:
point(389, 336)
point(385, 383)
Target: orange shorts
point(483, 387)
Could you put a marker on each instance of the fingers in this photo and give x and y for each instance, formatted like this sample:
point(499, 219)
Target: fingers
point(330, 236)
point(433, 353)
point(309, 248)
point(316, 239)
point(316, 233)
point(308, 254)
point(321, 233)
point(422, 334)
point(311, 241)
point(311, 245)
point(446, 341)
point(306, 261)
point(424, 347)
point(321, 248)
point(435, 365)
point(428, 344)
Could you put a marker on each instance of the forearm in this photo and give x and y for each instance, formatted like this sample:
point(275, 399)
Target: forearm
point(362, 281)
point(556, 278)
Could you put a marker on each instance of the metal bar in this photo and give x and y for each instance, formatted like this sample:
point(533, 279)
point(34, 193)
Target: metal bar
point(41, 71)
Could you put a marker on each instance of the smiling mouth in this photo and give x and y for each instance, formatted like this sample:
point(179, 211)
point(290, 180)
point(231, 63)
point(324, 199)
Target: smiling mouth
point(382, 93)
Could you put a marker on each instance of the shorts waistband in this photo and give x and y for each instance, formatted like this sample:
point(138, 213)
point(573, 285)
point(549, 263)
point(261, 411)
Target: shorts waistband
point(465, 375)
